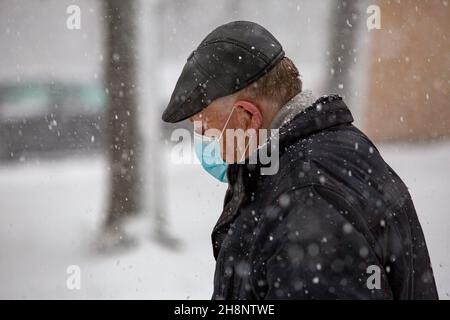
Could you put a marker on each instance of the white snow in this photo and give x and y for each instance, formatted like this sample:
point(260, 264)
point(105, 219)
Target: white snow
point(50, 213)
point(50, 216)
point(425, 170)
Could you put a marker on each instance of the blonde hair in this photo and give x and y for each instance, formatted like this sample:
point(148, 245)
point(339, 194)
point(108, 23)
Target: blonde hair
point(279, 85)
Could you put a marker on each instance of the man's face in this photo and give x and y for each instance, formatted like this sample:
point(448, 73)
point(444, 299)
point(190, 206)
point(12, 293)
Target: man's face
point(226, 120)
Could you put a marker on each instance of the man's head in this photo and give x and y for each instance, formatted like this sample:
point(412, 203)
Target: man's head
point(248, 110)
point(236, 79)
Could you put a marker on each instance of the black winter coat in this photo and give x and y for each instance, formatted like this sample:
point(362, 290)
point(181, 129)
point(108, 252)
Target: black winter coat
point(334, 219)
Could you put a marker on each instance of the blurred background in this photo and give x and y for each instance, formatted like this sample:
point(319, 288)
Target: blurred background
point(87, 173)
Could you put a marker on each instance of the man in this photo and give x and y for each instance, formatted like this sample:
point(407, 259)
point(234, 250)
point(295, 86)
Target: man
point(335, 221)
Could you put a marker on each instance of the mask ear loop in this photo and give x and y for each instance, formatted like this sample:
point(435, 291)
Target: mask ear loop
point(212, 139)
point(223, 129)
point(250, 108)
point(221, 133)
point(245, 149)
point(226, 123)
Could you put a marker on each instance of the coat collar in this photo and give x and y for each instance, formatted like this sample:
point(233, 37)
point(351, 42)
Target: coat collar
point(325, 112)
point(298, 103)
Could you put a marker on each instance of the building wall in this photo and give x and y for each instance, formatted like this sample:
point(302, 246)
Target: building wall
point(409, 72)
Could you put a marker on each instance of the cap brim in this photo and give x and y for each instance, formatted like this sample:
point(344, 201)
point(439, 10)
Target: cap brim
point(193, 92)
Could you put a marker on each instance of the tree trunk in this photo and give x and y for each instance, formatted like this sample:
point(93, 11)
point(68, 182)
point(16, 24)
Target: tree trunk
point(344, 23)
point(120, 86)
point(154, 183)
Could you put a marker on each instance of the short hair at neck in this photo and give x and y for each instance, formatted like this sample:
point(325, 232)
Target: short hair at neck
point(279, 85)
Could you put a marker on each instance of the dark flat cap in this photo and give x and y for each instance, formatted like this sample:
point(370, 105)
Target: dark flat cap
point(230, 58)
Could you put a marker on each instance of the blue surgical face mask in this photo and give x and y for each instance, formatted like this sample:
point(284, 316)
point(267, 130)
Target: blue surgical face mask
point(208, 152)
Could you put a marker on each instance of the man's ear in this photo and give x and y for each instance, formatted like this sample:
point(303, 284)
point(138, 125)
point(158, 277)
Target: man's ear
point(254, 112)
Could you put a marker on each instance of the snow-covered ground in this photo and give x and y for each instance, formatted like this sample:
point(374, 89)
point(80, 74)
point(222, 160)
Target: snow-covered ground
point(50, 213)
